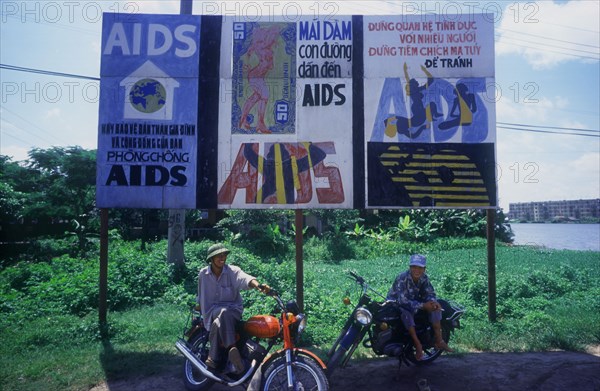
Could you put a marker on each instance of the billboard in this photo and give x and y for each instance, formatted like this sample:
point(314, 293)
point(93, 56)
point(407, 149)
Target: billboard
point(309, 112)
point(147, 131)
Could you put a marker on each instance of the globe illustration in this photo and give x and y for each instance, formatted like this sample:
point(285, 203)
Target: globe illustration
point(148, 96)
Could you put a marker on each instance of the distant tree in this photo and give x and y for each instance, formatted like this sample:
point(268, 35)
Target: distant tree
point(11, 203)
point(16, 174)
point(12, 200)
point(65, 188)
point(54, 184)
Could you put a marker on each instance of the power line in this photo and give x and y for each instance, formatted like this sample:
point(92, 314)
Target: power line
point(32, 124)
point(13, 136)
point(45, 72)
point(573, 27)
point(547, 131)
point(502, 36)
point(25, 18)
point(547, 45)
point(557, 52)
point(548, 38)
point(499, 30)
point(503, 125)
point(18, 127)
point(549, 127)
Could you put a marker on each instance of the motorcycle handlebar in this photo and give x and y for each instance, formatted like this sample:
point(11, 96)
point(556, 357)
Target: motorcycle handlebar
point(272, 293)
point(267, 290)
point(361, 281)
point(358, 278)
point(263, 288)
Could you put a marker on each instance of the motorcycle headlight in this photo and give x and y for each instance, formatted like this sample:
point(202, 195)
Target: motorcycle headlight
point(363, 316)
point(301, 319)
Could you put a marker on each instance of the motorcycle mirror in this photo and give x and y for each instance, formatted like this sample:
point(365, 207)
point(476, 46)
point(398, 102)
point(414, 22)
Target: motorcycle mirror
point(346, 301)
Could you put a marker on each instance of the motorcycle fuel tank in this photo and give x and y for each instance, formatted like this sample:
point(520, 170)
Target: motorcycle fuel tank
point(262, 326)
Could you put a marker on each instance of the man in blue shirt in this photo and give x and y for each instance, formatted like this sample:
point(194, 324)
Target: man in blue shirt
point(413, 291)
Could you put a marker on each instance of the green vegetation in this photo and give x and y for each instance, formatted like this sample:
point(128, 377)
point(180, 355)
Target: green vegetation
point(51, 338)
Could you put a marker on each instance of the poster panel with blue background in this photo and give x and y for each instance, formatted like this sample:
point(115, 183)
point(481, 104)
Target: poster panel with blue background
point(148, 119)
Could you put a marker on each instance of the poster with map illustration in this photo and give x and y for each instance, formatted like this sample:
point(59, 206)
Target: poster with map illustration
point(148, 117)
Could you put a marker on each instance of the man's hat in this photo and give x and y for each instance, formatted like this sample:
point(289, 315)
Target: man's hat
point(216, 249)
point(418, 260)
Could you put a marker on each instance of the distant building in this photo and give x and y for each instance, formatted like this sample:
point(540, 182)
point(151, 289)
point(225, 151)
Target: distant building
point(555, 210)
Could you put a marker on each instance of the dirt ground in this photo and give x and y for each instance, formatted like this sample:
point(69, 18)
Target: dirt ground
point(548, 371)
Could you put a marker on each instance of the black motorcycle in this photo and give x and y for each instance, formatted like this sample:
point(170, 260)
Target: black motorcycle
point(378, 324)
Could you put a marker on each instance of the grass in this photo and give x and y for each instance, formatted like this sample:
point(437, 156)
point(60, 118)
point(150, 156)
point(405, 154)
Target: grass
point(67, 353)
point(546, 300)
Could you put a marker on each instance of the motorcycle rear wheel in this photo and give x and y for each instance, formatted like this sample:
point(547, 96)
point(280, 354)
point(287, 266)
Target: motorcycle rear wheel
point(429, 353)
point(308, 375)
point(194, 379)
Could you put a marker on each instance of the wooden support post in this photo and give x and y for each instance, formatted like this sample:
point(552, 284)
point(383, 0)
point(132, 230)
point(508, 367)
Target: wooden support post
point(299, 262)
point(185, 7)
point(176, 231)
point(491, 254)
point(176, 237)
point(103, 280)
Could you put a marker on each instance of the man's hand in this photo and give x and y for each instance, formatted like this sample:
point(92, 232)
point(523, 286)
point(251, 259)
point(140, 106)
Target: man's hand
point(264, 288)
point(431, 306)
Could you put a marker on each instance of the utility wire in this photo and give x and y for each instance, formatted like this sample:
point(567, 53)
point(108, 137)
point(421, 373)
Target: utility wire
point(544, 44)
point(18, 127)
point(499, 34)
point(549, 127)
point(557, 52)
point(13, 136)
point(32, 124)
point(547, 131)
point(503, 125)
point(573, 27)
point(44, 72)
point(547, 38)
point(24, 19)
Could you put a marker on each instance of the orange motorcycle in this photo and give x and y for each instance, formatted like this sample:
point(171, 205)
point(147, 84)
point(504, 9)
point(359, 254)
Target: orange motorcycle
point(289, 368)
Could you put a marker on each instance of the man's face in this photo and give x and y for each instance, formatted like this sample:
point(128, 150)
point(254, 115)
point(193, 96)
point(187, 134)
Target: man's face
point(218, 261)
point(416, 272)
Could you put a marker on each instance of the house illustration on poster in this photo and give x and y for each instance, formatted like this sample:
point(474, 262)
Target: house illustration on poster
point(149, 93)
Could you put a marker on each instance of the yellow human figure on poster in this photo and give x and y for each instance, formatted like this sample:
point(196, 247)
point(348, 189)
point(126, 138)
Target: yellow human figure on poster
point(422, 115)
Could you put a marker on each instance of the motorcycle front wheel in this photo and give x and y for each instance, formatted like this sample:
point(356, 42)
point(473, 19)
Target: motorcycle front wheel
point(429, 353)
point(194, 379)
point(307, 374)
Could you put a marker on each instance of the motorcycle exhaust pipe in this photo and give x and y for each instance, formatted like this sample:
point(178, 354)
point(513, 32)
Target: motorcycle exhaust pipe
point(183, 349)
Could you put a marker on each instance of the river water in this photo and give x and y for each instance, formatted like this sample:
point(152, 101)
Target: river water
point(558, 236)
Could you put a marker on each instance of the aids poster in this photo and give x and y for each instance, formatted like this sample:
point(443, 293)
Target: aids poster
point(429, 111)
point(285, 130)
point(148, 127)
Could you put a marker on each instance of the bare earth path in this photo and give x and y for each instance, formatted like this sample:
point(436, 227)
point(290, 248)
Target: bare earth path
point(548, 371)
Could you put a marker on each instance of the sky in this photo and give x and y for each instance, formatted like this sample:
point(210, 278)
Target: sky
point(547, 77)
